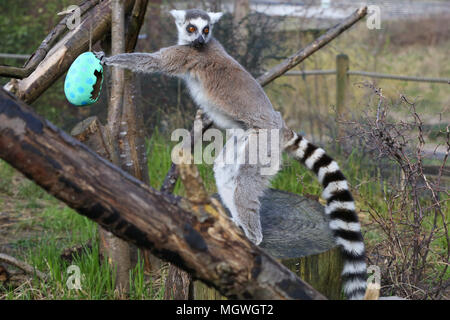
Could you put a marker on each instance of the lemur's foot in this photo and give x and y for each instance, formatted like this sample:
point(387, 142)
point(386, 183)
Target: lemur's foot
point(100, 55)
point(254, 236)
point(253, 233)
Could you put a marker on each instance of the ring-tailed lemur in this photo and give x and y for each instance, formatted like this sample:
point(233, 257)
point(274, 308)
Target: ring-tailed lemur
point(232, 98)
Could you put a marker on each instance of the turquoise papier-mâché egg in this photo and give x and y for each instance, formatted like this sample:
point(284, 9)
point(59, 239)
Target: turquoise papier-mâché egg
point(84, 80)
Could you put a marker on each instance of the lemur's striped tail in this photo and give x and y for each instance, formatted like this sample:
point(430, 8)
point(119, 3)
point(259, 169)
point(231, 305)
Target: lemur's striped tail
point(341, 210)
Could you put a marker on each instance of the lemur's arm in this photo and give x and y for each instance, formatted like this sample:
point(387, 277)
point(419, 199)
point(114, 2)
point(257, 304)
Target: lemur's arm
point(136, 62)
point(171, 61)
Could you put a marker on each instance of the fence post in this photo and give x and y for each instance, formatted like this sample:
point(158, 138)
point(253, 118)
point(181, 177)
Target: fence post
point(342, 63)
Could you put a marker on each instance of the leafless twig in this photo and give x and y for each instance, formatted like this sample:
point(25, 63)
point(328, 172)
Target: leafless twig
point(22, 266)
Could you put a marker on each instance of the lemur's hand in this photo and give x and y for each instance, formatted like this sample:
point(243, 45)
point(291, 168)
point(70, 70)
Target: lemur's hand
point(100, 55)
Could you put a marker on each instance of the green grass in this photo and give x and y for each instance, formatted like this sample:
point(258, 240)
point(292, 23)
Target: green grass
point(48, 233)
point(6, 174)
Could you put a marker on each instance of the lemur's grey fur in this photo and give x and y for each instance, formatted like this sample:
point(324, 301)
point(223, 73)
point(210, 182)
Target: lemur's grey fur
point(232, 98)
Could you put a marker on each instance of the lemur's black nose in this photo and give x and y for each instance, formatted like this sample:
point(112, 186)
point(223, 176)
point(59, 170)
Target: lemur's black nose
point(201, 40)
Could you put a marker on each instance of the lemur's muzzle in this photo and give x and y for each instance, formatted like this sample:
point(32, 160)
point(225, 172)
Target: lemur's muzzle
point(199, 42)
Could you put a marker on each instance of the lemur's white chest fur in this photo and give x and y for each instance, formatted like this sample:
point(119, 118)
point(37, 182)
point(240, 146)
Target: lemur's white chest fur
point(199, 95)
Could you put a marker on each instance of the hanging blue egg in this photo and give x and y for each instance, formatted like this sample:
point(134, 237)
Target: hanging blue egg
point(84, 80)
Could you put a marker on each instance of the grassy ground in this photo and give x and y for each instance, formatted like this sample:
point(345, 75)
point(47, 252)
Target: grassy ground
point(36, 228)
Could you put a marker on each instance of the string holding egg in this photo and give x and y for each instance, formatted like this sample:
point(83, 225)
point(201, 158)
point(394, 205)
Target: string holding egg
point(84, 80)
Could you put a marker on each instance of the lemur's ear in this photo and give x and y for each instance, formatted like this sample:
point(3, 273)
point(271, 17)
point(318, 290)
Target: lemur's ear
point(215, 16)
point(178, 15)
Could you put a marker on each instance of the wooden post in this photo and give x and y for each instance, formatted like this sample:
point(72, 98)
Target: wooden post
point(296, 233)
point(342, 63)
point(240, 22)
point(91, 132)
point(115, 249)
point(241, 9)
point(126, 149)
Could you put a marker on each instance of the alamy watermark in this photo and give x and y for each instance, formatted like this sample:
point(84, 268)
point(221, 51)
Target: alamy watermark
point(373, 17)
point(259, 147)
point(74, 18)
point(374, 276)
point(74, 280)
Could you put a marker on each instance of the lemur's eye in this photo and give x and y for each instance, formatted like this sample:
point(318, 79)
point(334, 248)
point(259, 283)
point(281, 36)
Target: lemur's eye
point(190, 28)
point(206, 30)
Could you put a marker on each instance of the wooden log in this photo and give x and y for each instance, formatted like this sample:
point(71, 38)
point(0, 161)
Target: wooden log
point(21, 265)
point(295, 231)
point(172, 175)
point(134, 24)
point(133, 157)
point(117, 251)
point(178, 284)
point(199, 239)
point(109, 144)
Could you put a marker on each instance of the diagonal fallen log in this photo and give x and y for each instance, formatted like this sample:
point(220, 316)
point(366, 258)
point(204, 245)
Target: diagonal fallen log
point(197, 238)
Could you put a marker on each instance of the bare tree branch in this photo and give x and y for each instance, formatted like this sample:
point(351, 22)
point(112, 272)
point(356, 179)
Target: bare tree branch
point(22, 266)
point(317, 44)
point(172, 175)
point(134, 24)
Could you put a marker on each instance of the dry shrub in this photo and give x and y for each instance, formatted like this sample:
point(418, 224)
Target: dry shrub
point(412, 217)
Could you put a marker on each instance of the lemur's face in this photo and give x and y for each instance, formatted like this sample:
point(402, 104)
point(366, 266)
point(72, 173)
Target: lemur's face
point(195, 26)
